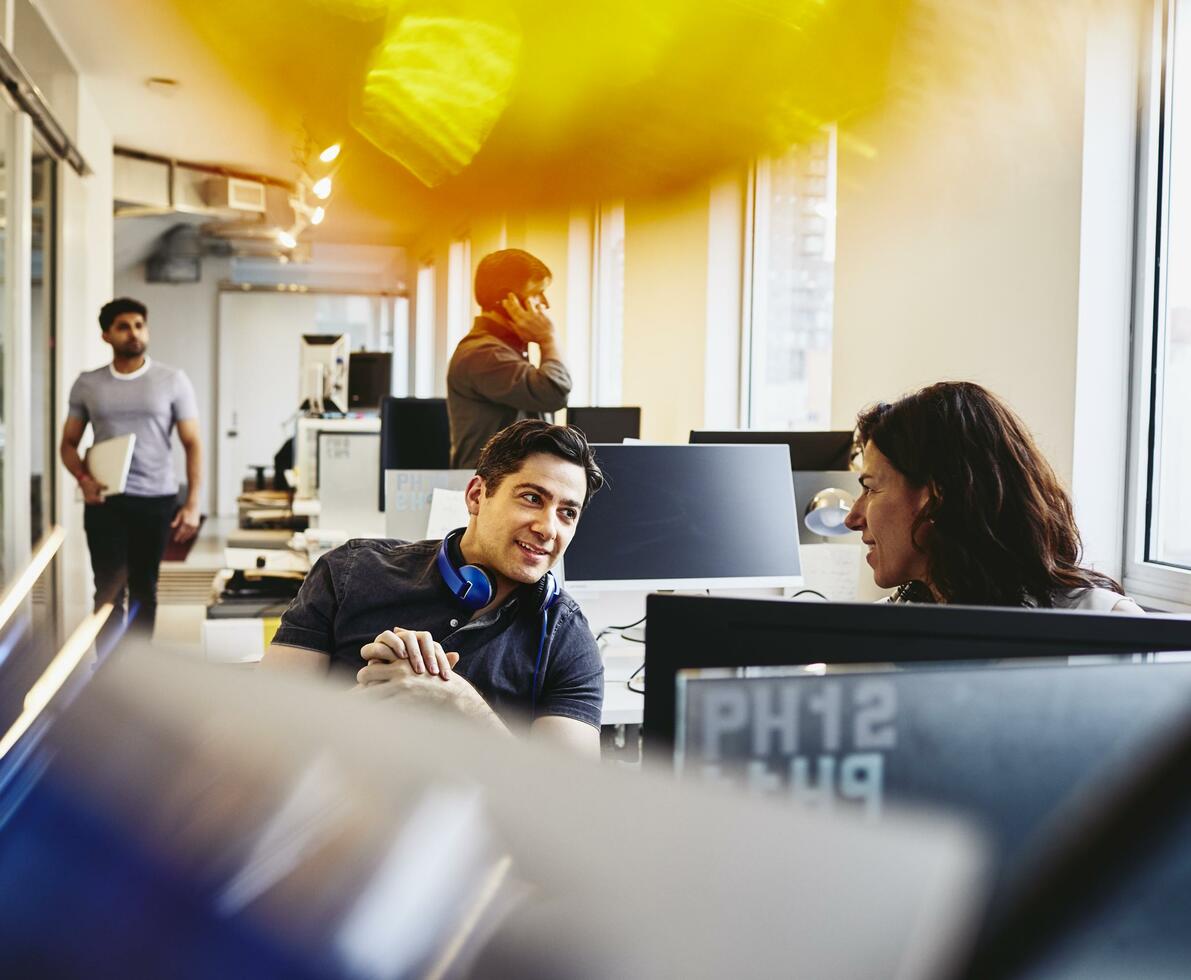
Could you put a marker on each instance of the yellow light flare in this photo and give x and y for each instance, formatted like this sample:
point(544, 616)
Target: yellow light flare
point(434, 90)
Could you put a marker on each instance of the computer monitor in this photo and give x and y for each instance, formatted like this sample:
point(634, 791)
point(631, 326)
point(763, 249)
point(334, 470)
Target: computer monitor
point(687, 517)
point(604, 424)
point(808, 450)
point(323, 372)
point(369, 379)
point(1109, 897)
point(702, 631)
point(415, 434)
point(1007, 747)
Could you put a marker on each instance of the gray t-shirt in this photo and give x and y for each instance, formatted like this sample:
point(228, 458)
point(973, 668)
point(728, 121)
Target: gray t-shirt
point(149, 403)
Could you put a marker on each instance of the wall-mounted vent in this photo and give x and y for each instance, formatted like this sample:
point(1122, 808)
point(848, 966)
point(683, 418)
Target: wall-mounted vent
point(235, 194)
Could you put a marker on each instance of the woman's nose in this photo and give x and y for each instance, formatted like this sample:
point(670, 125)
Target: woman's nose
point(855, 519)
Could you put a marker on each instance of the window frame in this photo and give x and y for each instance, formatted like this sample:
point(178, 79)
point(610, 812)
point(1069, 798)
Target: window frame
point(1157, 584)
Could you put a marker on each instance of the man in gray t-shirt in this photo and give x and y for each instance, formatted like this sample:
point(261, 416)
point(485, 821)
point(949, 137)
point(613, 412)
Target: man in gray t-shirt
point(127, 532)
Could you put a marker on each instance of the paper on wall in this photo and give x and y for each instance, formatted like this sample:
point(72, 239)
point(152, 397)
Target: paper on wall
point(833, 569)
point(448, 510)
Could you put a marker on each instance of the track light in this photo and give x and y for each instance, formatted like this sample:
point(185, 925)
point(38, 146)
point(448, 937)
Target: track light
point(322, 188)
point(330, 153)
point(287, 240)
point(317, 215)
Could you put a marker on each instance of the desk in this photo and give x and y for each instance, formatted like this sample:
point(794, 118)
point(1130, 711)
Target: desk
point(622, 706)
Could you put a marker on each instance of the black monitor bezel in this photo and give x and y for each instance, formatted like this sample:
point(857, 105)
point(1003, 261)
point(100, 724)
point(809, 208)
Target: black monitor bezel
point(805, 447)
point(687, 631)
point(428, 411)
point(611, 413)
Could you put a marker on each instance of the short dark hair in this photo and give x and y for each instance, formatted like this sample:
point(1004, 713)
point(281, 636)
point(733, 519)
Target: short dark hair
point(124, 304)
point(511, 446)
point(508, 271)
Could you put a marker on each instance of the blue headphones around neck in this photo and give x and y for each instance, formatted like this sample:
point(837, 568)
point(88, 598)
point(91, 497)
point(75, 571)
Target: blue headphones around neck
point(473, 586)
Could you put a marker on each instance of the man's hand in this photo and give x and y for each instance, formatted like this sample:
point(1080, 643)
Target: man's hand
point(530, 323)
point(397, 679)
point(92, 489)
point(417, 647)
point(186, 522)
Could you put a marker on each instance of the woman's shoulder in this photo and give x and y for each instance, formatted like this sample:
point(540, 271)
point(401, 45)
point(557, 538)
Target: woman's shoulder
point(1097, 600)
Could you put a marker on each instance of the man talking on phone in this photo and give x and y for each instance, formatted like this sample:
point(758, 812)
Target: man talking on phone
point(491, 382)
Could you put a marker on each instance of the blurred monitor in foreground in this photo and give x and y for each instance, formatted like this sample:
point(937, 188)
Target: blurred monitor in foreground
point(702, 631)
point(606, 424)
point(1009, 747)
point(246, 824)
point(808, 450)
point(687, 517)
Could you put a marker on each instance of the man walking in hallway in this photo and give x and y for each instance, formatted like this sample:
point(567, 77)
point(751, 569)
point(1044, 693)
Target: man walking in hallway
point(127, 532)
point(491, 382)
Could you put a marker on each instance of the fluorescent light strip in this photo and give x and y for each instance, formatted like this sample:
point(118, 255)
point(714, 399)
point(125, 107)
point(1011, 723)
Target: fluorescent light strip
point(20, 589)
point(55, 675)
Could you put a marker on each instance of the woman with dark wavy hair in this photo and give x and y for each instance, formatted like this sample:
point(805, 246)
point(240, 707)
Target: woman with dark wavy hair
point(959, 506)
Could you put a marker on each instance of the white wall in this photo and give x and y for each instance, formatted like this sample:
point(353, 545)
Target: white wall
point(958, 241)
point(84, 284)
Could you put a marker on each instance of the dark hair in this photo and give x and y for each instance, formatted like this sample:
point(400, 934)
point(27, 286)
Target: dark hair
point(508, 271)
point(109, 311)
point(511, 446)
point(1001, 527)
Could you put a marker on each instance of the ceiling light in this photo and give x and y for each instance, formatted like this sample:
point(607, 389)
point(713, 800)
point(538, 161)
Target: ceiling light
point(330, 153)
point(287, 239)
point(317, 215)
point(322, 188)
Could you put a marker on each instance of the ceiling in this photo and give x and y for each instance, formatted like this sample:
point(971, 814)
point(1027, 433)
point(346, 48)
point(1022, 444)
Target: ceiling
point(450, 108)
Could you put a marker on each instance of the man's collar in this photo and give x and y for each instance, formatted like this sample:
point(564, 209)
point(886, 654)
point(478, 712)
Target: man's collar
point(494, 327)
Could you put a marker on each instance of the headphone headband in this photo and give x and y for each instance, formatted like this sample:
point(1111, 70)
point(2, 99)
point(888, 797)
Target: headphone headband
point(473, 585)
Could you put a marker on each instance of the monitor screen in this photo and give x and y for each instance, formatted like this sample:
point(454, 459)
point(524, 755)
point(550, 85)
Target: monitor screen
point(687, 517)
point(703, 631)
point(369, 378)
point(606, 424)
point(323, 369)
point(415, 434)
point(1006, 747)
point(808, 450)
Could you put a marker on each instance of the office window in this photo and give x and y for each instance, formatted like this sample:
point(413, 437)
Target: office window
point(1158, 562)
point(459, 292)
point(607, 319)
point(43, 457)
point(424, 333)
point(790, 288)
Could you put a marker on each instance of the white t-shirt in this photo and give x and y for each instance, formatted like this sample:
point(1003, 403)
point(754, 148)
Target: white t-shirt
point(1099, 600)
point(1093, 600)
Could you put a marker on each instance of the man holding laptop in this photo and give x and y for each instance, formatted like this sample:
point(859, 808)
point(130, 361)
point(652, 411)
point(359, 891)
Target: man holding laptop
point(127, 527)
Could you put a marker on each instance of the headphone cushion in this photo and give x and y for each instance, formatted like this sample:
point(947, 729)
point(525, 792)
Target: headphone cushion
point(482, 588)
point(550, 591)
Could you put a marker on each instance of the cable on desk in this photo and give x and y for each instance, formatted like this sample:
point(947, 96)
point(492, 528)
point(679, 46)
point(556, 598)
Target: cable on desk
point(618, 629)
point(810, 592)
point(629, 682)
